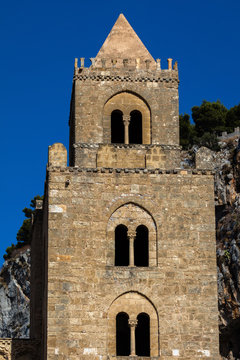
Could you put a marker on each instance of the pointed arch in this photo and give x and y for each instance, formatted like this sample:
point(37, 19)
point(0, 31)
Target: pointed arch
point(133, 303)
point(130, 104)
point(132, 216)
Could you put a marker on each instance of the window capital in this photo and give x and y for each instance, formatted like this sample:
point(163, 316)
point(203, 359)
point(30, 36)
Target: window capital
point(131, 235)
point(126, 119)
point(132, 322)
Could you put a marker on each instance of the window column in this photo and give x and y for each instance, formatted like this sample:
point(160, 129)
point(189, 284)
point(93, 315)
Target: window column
point(131, 236)
point(132, 323)
point(126, 121)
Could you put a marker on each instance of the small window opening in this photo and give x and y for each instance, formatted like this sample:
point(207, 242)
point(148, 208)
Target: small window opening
point(117, 127)
point(122, 334)
point(121, 246)
point(141, 246)
point(142, 335)
point(135, 128)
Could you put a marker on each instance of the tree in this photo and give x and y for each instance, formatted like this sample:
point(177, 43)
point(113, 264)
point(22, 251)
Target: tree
point(209, 117)
point(233, 118)
point(186, 131)
point(24, 233)
point(208, 140)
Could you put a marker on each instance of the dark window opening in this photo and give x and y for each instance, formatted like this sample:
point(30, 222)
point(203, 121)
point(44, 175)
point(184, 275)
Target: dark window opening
point(122, 335)
point(135, 128)
point(121, 246)
point(117, 127)
point(141, 246)
point(142, 335)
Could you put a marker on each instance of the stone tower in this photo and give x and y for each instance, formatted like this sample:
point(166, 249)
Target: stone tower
point(124, 262)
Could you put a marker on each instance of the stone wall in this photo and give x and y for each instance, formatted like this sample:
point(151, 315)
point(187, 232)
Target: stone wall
point(83, 285)
point(226, 136)
point(131, 156)
point(97, 92)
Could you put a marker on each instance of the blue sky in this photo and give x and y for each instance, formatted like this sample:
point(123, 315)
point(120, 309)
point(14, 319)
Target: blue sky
point(39, 41)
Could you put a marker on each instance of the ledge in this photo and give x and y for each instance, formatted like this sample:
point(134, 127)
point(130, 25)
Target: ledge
point(127, 75)
point(130, 267)
point(127, 146)
point(134, 357)
point(157, 171)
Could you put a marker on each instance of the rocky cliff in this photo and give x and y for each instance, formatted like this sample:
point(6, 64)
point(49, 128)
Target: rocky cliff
point(15, 296)
point(227, 190)
point(15, 274)
point(226, 164)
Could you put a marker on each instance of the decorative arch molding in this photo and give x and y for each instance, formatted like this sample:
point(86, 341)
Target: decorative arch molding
point(127, 102)
point(147, 204)
point(133, 303)
point(127, 89)
point(132, 215)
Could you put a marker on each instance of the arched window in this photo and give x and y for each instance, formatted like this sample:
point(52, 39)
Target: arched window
point(117, 127)
point(142, 335)
point(141, 247)
point(121, 246)
point(135, 128)
point(122, 334)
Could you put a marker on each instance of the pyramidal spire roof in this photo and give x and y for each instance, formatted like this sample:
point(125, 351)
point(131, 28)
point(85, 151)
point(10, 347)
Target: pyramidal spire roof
point(123, 43)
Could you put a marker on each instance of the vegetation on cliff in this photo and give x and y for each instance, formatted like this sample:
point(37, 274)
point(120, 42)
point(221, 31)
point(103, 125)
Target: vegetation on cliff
point(24, 233)
point(210, 120)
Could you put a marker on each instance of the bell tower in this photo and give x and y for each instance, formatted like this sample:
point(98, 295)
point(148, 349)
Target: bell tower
point(124, 107)
point(128, 236)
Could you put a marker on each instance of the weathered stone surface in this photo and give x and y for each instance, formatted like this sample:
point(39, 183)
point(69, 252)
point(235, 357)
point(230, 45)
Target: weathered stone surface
point(204, 158)
point(15, 296)
point(182, 207)
point(57, 155)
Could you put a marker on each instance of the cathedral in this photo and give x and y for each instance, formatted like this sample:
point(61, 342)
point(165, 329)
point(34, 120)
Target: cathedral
point(123, 248)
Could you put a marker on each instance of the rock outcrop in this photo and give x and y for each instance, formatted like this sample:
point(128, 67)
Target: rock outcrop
point(15, 296)
point(227, 191)
point(226, 164)
point(228, 260)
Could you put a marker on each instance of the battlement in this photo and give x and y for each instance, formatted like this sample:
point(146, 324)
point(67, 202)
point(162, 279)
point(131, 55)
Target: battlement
point(226, 136)
point(136, 64)
point(169, 78)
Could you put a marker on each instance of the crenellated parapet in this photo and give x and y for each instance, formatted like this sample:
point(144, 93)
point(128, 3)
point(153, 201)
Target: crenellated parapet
point(128, 63)
point(129, 70)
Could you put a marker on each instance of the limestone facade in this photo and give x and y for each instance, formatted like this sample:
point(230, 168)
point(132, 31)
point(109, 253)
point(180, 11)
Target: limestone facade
point(86, 290)
point(124, 258)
